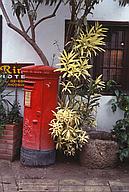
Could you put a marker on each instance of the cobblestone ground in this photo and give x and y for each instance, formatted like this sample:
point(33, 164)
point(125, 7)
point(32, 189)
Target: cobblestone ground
point(62, 177)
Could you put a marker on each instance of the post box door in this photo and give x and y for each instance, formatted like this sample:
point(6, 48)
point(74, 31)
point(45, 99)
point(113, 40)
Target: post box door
point(32, 115)
point(49, 104)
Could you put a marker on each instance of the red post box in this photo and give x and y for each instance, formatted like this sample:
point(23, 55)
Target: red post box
point(40, 99)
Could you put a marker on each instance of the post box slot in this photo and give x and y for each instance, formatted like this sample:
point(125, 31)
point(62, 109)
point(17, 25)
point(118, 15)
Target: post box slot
point(29, 85)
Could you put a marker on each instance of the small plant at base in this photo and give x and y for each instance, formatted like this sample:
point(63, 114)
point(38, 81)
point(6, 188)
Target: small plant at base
point(9, 113)
point(14, 115)
point(121, 128)
point(4, 104)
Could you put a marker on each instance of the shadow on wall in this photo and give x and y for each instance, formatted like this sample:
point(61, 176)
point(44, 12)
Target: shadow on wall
point(105, 117)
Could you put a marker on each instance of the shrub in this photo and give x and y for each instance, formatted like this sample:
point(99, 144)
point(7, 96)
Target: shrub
point(80, 93)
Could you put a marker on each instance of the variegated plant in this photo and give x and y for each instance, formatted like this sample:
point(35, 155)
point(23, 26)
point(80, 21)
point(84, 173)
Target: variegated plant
point(80, 93)
point(67, 132)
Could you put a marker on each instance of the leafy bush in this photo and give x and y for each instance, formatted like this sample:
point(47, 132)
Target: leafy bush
point(80, 94)
point(14, 115)
point(9, 113)
point(4, 108)
point(66, 131)
point(121, 128)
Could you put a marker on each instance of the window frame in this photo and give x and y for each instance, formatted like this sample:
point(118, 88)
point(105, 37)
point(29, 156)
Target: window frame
point(122, 25)
point(108, 24)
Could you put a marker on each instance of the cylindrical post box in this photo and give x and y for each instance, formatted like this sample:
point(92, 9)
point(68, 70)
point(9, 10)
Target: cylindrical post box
point(40, 99)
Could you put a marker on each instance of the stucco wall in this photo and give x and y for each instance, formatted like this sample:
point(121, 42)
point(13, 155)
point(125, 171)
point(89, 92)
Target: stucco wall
point(15, 49)
point(109, 10)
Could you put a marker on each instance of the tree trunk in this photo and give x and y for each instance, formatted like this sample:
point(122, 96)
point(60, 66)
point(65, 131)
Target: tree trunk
point(32, 43)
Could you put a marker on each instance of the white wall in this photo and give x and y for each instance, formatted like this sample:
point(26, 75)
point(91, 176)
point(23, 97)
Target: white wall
point(105, 117)
point(109, 10)
point(15, 49)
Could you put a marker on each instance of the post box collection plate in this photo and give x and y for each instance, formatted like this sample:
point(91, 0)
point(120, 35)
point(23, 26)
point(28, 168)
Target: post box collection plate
point(28, 98)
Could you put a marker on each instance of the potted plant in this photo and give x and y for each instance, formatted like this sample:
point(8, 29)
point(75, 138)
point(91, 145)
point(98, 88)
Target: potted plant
point(80, 93)
point(10, 124)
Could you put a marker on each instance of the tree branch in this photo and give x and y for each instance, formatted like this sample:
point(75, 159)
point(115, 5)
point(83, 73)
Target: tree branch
point(47, 17)
point(32, 27)
point(37, 6)
point(20, 22)
point(87, 11)
point(32, 5)
point(31, 42)
point(30, 19)
point(4, 12)
point(73, 11)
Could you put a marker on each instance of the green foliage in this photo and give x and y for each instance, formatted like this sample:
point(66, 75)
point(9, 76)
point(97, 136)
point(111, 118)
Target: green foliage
point(80, 93)
point(9, 113)
point(72, 66)
point(123, 2)
point(89, 43)
point(14, 115)
point(4, 104)
point(22, 7)
point(121, 131)
point(121, 128)
point(2, 117)
point(66, 131)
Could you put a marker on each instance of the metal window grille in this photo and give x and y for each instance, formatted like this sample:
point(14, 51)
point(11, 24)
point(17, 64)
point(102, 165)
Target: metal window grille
point(113, 64)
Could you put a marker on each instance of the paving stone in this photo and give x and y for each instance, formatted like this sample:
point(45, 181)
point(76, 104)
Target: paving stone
point(8, 180)
point(1, 187)
point(97, 182)
point(37, 187)
point(0, 179)
point(38, 181)
point(39, 190)
point(45, 190)
point(119, 186)
point(71, 182)
point(72, 188)
point(120, 189)
point(118, 183)
point(97, 189)
point(10, 188)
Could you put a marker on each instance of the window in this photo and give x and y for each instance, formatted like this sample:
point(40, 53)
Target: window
point(114, 62)
point(0, 38)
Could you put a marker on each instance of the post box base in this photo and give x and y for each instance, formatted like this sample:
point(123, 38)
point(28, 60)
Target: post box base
point(35, 158)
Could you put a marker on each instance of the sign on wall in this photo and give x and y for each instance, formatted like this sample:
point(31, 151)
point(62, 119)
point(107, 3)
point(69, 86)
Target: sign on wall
point(12, 71)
